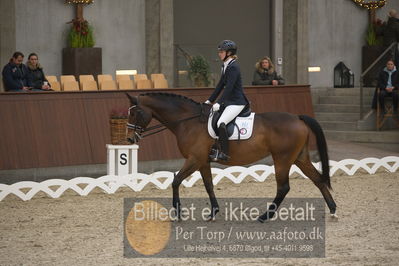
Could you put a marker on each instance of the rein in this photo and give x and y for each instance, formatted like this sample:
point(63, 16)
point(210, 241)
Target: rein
point(162, 125)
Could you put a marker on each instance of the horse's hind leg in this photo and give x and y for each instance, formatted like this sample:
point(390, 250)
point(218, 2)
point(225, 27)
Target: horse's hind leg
point(189, 167)
point(304, 163)
point(207, 178)
point(282, 169)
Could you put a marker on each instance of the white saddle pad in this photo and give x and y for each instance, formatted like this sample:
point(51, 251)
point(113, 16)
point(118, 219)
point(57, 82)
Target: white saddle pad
point(245, 127)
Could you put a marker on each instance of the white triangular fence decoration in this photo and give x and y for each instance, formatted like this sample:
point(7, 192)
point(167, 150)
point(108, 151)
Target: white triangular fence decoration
point(163, 179)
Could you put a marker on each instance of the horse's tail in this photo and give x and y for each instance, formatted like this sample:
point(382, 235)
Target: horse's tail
point(321, 147)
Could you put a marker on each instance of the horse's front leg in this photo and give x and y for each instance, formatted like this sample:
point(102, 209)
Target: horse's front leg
point(189, 167)
point(207, 178)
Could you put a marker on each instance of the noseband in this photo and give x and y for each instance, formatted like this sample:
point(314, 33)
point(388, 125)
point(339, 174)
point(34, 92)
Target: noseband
point(132, 126)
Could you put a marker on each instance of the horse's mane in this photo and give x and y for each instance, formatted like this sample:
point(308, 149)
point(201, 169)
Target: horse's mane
point(169, 95)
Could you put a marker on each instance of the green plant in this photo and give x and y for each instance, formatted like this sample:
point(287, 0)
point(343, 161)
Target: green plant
point(81, 34)
point(371, 36)
point(199, 70)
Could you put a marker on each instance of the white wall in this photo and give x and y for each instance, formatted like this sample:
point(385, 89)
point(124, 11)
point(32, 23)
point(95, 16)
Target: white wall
point(119, 30)
point(337, 33)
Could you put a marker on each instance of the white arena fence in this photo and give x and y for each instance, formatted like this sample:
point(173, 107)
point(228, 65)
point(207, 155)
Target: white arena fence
point(54, 188)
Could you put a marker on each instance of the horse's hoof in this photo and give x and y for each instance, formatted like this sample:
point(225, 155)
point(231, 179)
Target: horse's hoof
point(211, 218)
point(334, 215)
point(213, 159)
point(177, 217)
point(260, 219)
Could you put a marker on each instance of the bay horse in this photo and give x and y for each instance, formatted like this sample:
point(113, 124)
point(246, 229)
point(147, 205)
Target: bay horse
point(285, 136)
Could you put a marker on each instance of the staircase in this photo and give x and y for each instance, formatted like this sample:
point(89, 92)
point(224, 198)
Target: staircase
point(337, 110)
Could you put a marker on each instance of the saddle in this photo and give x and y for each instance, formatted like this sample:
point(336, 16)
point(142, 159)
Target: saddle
point(239, 128)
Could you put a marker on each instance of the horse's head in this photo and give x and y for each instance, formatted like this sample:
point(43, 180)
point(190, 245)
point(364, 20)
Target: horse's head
point(138, 119)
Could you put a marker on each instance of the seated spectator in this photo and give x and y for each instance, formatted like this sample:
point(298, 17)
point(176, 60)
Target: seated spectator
point(15, 74)
point(36, 78)
point(388, 83)
point(265, 73)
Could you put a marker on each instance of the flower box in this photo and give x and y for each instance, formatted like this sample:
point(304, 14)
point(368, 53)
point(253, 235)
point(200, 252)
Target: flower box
point(118, 123)
point(118, 131)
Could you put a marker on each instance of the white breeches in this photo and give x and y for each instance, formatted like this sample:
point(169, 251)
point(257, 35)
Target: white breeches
point(229, 113)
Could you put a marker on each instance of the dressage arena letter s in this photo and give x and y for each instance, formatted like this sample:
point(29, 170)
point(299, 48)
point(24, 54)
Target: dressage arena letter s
point(123, 158)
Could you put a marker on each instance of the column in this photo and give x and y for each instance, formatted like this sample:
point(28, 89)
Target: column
point(7, 33)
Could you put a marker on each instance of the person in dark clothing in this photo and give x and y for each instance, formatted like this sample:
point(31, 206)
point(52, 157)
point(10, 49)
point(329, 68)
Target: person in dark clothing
point(36, 77)
point(391, 31)
point(233, 99)
point(265, 74)
point(15, 74)
point(388, 83)
point(391, 34)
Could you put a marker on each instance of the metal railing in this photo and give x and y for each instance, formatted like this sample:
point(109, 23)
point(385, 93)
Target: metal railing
point(370, 67)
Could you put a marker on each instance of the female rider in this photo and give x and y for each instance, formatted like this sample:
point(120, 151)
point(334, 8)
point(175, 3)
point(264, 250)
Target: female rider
point(232, 100)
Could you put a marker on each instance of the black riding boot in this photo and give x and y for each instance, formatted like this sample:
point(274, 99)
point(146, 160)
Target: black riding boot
point(222, 155)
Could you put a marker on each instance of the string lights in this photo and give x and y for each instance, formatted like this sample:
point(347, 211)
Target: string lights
point(85, 2)
point(370, 4)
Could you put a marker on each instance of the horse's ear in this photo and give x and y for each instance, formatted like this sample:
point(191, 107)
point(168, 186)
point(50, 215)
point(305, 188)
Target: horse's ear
point(133, 99)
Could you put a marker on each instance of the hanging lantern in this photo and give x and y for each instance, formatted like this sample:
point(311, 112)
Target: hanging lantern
point(343, 76)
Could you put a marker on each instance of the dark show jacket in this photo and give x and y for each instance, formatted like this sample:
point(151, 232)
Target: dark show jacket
point(14, 76)
point(231, 85)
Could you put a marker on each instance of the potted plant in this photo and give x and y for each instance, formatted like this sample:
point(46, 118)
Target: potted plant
point(118, 121)
point(81, 34)
point(199, 71)
point(80, 57)
point(371, 51)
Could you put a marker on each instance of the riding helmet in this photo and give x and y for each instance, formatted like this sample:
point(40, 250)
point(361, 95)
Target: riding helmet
point(228, 46)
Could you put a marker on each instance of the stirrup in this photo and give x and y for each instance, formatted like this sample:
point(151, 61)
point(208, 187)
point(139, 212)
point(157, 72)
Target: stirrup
point(217, 155)
point(223, 157)
point(213, 156)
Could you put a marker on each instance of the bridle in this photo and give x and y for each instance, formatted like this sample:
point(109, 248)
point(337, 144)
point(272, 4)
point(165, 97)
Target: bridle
point(139, 130)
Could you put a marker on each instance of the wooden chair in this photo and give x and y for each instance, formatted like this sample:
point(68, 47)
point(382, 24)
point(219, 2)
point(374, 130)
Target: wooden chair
point(66, 78)
point(89, 85)
point(157, 76)
point(382, 116)
point(84, 78)
point(70, 86)
point(139, 77)
point(122, 77)
point(144, 84)
point(108, 85)
point(102, 78)
point(52, 79)
point(126, 84)
point(55, 85)
point(160, 83)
